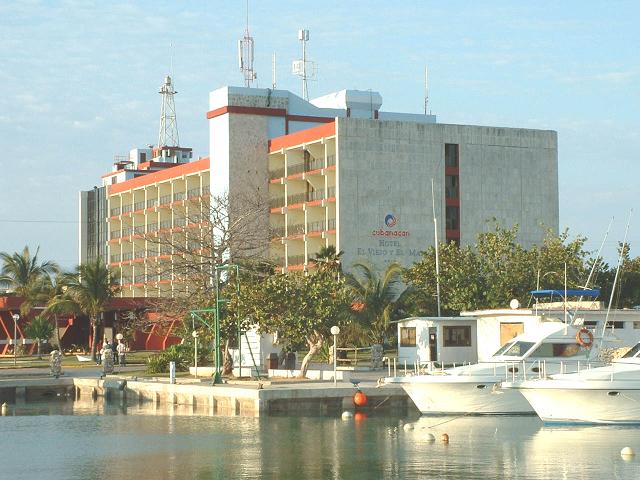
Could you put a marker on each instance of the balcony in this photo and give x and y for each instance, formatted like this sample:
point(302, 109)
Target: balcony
point(115, 258)
point(127, 208)
point(164, 199)
point(126, 279)
point(165, 250)
point(314, 164)
point(140, 254)
point(331, 192)
point(152, 202)
point(315, 195)
point(114, 234)
point(138, 206)
point(127, 231)
point(277, 202)
point(164, 224)
point(152, 227)
point(140, 278)
point(193, 192)
point(296, 229)
point(331, 224)
point(127, 256)
point(178, 196)
point(296, 260)
point(315, 226)
point(179, 222)
point(276, 173)
point(139, 230)
point(297, 198)
point(115, 211)
point(206, 190)
point(295, 169)
point(277, 232)
point(331, 160)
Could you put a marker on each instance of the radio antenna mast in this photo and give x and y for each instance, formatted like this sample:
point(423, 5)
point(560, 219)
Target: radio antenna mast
point(245, 55)
point(304, 68)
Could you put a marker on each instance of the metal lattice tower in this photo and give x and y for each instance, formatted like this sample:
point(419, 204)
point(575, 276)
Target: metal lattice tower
point(245, 55)
point(168, 136)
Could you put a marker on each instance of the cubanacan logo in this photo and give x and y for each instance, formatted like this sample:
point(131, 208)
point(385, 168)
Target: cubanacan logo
point(390, 221)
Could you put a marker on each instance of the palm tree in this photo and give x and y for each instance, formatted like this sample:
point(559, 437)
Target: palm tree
point(20, 270)
point(91, 287)
point(374, 297)
point(41, 329)
point(58, 302)
point(327, 257)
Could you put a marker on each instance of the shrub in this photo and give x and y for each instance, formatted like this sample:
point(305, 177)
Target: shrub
point(181, 354)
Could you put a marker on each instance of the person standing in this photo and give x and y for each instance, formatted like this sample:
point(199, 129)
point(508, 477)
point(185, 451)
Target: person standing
point(122, 350)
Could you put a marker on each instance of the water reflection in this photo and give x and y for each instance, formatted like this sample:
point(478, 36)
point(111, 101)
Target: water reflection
point(94, 439)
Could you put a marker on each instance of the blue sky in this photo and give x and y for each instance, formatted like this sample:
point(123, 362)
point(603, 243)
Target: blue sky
point(80, 81)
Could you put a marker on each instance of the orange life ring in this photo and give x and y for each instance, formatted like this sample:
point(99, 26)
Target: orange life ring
point(580, 337)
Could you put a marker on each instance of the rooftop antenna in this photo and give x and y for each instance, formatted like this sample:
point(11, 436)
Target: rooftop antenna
point(304, 68)
point(426, 90)
point(273, 71)
point(168, 136)
point(245, 55)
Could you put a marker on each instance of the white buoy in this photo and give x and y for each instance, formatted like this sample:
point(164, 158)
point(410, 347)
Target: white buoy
point(627, 452)
point(347, 415)
point(431, 437)
point(407, 427)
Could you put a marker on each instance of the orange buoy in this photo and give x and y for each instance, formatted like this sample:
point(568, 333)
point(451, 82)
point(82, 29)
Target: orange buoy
point(444, 438)
point(360, 399)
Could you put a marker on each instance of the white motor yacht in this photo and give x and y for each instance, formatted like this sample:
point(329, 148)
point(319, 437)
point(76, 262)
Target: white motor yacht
point(473, 389)
point(609, 394)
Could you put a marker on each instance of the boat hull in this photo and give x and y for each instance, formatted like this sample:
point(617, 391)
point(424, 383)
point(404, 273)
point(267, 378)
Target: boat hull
point(587, 402)
point(466, 396)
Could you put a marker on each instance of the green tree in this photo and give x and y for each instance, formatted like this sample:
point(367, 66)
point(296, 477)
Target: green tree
point(41, 329)
point(374, 297)
point(328, 258)
point(91, 287)
point(21, 270)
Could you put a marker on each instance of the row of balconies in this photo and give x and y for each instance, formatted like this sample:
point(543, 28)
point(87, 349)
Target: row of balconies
point(162, 200)
point(294, 199)
point(164, 250)
point(306, 166)
point(155, 226)
point(143, 278)
point(299, 228)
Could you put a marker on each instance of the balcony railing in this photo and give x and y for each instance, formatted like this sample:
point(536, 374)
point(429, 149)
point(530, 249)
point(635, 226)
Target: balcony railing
point(127, 208)
point(179, 222)
point(315, 195)
point(139, 205)
point(297, 198)
point(295, 169)
point(206, 190)
point(177, 196)
point(152, 227)
point(296, 229)
point(331, 160)
point(277, 232)
point(276, 173)
point(126, 279)
point(164, 199)
point(114, 234)
point(315, 164)
point(127, 231)
point(152, 202)
point(279, 261)
point(115, 211)
point(152, 253)
point(165, 224)
point(139, 230)
point(193, 192)
point(140, 254)
point(115, 258)
point(315, 226)
point(140, 278)
point(331, 224)
point(165, 250)
point(277, 202)
point(127, 256)
point(296, 260)
point(331, 192)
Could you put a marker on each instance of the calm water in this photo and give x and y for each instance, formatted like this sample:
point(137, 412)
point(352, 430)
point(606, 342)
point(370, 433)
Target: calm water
point(66, 440)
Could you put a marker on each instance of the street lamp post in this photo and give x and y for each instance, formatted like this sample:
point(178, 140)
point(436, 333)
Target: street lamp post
point(16, 317)
point(335, 330)
point(194, 334)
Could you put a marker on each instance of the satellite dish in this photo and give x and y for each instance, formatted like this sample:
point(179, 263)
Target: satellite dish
point(514, 304)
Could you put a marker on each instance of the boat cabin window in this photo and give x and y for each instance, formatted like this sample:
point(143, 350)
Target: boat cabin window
point(503, 349)
point(518, 349)
point(549, 350)
point(633, 352)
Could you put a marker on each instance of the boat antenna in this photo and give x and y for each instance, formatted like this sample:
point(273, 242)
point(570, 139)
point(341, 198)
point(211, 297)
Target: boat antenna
point(435, 233)
point(615, 279)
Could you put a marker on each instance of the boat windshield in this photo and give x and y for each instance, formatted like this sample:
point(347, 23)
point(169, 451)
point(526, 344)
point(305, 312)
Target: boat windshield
point(516, 349)
point(503, 349)
point(633, 352)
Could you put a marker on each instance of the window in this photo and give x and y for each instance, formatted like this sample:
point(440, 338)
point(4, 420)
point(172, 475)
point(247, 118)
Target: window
point(633, 352)
point(548, 350)
point(452, 215)
point(407, 336)
point(518, 349)
point(451, 186)
point(451, 154)
point(457, 336)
